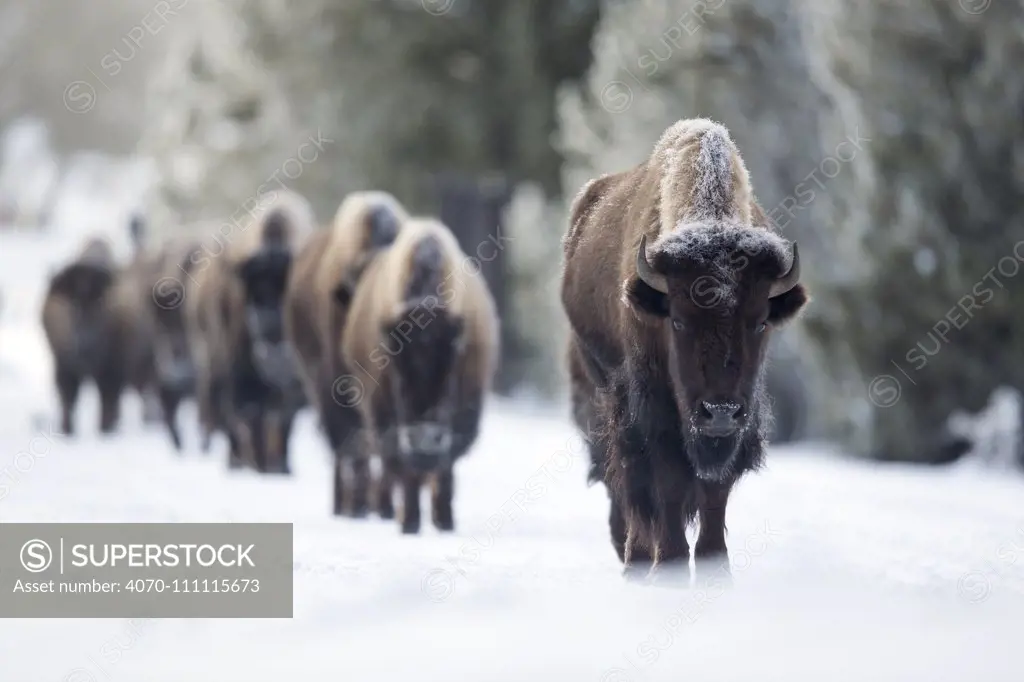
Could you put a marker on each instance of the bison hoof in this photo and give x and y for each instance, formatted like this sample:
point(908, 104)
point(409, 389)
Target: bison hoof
point(386, 513)
point(445, 526)
point(636, 572)
point(714, 568)
point(410, 528)
point(674, 574)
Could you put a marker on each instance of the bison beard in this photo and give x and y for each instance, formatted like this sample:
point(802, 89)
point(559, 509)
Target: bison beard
point(668, 343)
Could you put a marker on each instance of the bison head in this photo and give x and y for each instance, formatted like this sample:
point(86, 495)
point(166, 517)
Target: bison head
point(425, 344)
point(84, 283)
point(264, 277)
point(716, 293)
point(380, 229)
point(85, 286)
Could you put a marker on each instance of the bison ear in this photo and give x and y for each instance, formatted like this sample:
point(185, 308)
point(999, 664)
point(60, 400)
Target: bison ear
point(645, 298)
point(785, 307)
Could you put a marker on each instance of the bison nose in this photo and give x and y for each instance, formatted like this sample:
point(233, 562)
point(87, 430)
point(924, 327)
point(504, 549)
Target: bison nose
point(725, 410)
point(719, 418)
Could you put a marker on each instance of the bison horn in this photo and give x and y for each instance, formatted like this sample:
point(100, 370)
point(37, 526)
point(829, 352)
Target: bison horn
point(789, 280)
point(646, 273)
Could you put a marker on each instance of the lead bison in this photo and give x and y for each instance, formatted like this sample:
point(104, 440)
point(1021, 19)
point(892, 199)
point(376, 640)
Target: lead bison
point(668, 341)
point(421, 342)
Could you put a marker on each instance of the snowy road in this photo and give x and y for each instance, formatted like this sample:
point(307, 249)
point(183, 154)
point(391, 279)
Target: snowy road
point(843, 571)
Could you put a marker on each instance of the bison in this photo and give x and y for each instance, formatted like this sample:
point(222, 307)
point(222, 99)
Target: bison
point(674, 281)
point(94, 332)
point(321, 286)
point(247, 381)
point(422, 344)
point(164, 291)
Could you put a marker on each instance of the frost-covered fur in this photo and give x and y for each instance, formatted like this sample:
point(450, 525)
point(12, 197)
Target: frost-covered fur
point(722, 250)
point(703, 177)
point(708, 216)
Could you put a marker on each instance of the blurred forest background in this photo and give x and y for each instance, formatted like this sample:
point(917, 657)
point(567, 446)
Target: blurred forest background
point(885, 136)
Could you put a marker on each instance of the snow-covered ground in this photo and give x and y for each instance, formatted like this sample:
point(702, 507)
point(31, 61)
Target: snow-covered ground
point(842, 570)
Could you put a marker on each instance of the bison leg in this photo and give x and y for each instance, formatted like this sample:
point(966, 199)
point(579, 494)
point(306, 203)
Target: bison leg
point(170, 398)
point(633, 553)
point(441, 502)
point(152, 409)
point(411, 483)
point(344, 437)
point(385, 492)
point(339, 486)
point(209, 395)
point(287, 420)
point(236, 459)
point(637, 562)
point(671, 550)
point(273, 445)
point(617, 526)
point(710, 550)
point(360, 487)
point(257, 452)
point(68, 383)
point(110, 404)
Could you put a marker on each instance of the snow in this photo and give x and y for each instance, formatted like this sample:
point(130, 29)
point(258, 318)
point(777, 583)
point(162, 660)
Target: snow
point(841, 570)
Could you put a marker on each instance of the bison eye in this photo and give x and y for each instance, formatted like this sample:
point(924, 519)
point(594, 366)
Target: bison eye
point(677, 325)
point(761, 327)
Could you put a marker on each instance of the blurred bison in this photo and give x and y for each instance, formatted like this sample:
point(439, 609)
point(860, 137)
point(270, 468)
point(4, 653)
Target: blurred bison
point(422, 341)
point(248, 383)
point(164, 290)
point(668, 342)
point(321, 286)
point(95, 333)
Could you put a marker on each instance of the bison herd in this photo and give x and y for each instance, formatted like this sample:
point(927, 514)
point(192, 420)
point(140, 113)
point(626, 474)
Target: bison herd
point(378, 323)
point(673, 281)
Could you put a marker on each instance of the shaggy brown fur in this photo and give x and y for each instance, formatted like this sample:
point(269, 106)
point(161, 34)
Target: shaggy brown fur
point(321, 286)
point(95, 333)
point(668, 359)
point(422, 342)
point(247, 384)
